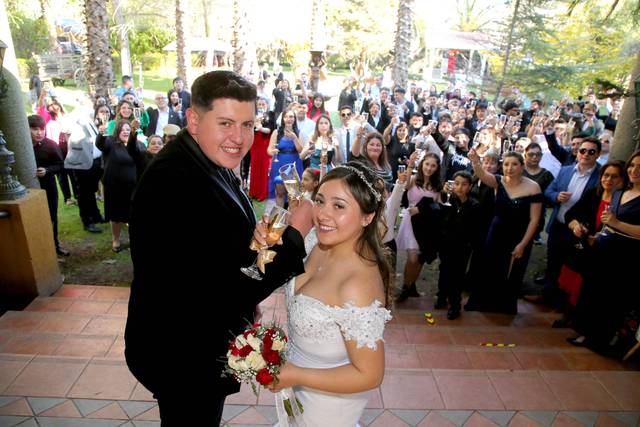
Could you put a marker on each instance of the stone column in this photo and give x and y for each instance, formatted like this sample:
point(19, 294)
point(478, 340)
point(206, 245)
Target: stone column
point(14, 125)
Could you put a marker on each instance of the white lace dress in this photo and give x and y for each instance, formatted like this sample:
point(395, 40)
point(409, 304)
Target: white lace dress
point(316, 340)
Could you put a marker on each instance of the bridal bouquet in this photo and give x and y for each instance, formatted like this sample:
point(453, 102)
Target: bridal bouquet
point(256, 356)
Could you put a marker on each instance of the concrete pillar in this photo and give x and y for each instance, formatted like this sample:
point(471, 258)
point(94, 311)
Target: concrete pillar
point(28, 262)
point(14, 125)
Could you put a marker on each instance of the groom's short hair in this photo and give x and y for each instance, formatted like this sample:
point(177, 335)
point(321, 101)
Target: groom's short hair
point(221, 84)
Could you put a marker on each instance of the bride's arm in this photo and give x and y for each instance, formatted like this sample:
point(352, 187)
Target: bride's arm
point(366, 369)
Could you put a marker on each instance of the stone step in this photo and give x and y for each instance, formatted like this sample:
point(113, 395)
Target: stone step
point(93, 292)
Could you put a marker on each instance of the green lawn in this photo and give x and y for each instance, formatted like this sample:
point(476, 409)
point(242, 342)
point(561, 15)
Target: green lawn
point(92, 261)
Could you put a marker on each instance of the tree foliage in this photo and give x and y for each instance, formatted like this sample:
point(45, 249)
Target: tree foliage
point(28, 34)
point(557, 53)
point(143, 41)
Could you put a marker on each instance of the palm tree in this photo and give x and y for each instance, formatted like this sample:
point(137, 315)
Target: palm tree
point(244, 49)
point(183, 54)
point(402, 47)
point(123, 34)
point(99, 69)
point(47, 19)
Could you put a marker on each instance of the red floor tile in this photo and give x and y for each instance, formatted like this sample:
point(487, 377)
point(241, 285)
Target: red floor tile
point(75, 291)
point(32, 344)
point(427, 335)
point(401, 357)
point(90, 307)
point(623, 386)
point(49, 304)
point(111, 293)
point(375, 399)
point(407, 391)
point(119, 308)
point(117, 349)
point(591, 362)
point(538, 360)
point(250, 416)
point(244, 397)
point(579, 391)
point(493, 359)
point(563, 420)
point(85, 346)
point(19, 407)
point(442, 359)
point(65, 410)
point(10, 367)
point(104, 379)
point(64, 323)
point(105, 326)
point(605, 420)
point(467, 390)
point(47, 376)
point(524, 390)
point(141, 393)
point(395, 335)
point(21, 321)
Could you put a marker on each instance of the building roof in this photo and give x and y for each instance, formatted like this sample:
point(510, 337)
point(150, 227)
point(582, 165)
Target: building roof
point(199, 44)
point(457, 40)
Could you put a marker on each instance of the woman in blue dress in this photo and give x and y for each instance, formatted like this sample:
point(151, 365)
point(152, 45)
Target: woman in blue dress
point(284, 147)
point(518, 205)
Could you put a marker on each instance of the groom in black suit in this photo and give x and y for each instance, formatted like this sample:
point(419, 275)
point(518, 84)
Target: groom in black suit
point(190, 230)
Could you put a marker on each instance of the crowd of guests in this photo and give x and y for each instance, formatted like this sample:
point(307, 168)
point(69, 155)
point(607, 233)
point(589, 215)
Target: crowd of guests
point(99, 151)
point(476, 184)
point(469, 183)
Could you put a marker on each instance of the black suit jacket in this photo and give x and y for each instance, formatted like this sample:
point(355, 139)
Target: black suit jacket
point(190, 231)
point(174, 119)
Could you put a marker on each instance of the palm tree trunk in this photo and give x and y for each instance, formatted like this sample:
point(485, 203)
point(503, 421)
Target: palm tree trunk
point(627, 137)
point(244, 50)
point(402, 49)
point(123, 35)
point(98, 52)
point(507, 53)
point(182, 52)
point(47, 19)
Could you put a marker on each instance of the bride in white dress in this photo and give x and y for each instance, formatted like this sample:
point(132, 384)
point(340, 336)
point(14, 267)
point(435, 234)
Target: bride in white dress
point(337, 308)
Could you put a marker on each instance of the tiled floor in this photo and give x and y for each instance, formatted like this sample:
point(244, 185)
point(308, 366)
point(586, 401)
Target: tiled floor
point(62, 364)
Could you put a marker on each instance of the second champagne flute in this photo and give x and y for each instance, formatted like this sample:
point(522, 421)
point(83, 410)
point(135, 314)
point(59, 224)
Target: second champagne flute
point(450, 189)
point(291, 180)
point(277, 223)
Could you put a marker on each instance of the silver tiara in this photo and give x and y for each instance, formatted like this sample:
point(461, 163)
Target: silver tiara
point(358, 172)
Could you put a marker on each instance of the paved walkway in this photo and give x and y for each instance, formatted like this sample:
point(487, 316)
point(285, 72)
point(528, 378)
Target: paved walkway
point(62, 364)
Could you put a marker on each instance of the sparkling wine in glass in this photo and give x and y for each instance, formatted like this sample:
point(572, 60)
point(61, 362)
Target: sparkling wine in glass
point(291, 180)
point(450, 183)
point(276, 225)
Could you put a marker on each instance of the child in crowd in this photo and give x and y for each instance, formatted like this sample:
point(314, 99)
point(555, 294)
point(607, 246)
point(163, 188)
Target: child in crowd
point(310, 180)
point(458, 225)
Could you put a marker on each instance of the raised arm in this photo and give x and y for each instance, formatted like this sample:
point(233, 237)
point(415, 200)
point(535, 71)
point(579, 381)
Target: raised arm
point(356, 147)
point(487, 178)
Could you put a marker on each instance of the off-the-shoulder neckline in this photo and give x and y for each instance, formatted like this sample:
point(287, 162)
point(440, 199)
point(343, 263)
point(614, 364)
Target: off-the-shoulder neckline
point(346, 305)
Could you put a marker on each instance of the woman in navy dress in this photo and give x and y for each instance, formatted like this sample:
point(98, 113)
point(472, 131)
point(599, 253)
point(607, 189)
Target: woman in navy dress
point(284, 148)
point(517, 212)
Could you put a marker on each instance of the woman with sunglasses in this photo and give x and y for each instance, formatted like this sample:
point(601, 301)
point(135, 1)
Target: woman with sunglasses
point(609, 296)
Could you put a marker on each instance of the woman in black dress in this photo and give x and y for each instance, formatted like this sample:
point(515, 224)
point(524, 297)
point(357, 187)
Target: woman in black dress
point(517, 212)
point(119, 177)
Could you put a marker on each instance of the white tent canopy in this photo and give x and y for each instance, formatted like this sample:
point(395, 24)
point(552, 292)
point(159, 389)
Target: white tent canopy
point(200, 44)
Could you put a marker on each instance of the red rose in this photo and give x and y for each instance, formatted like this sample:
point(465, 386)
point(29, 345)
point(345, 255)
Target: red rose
point(256, 325)
point(245, 351)
point(267, 342)
point(272, 357)
point(264, 377)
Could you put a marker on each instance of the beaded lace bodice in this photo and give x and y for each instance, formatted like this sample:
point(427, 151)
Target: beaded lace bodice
point(311, 322)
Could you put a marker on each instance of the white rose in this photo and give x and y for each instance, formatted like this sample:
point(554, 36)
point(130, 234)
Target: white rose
point(255, 361)
point(240, 341)
point(234, 363)
point(278, 345)
point(254, 342)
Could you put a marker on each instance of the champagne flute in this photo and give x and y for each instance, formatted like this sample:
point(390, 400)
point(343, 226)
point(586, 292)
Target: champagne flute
point(291, 180)
point(277, 223)
point(585, 228)
point(136, 113)
point(450, 189)
point(365, 119)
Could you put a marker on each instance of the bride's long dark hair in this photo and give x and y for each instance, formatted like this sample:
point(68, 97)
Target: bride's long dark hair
point(369, 245)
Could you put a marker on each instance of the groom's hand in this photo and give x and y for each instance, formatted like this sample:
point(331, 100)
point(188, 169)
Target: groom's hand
point(301, 216)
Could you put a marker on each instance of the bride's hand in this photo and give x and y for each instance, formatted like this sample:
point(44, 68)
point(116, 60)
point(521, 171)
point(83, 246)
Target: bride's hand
point(286, 378)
